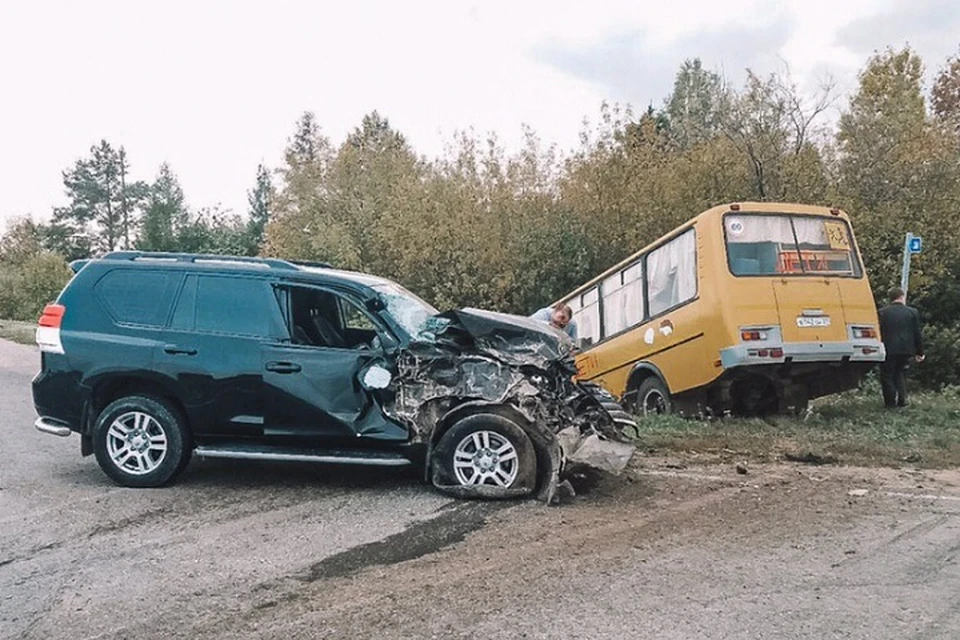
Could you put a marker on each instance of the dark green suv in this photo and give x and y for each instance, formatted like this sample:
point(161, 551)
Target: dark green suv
point(153, 357)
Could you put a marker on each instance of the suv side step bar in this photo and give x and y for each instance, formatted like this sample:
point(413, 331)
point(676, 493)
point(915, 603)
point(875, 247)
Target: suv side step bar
point(46, 425)
point(328, 456)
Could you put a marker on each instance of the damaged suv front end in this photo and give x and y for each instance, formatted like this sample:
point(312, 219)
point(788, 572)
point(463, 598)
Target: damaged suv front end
point(494, 398)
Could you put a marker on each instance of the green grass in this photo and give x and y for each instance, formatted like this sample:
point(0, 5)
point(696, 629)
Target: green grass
point(852, 428)
point(22, 332)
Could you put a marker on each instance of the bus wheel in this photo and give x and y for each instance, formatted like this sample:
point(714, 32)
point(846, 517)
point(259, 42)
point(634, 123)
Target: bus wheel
point(653, 397)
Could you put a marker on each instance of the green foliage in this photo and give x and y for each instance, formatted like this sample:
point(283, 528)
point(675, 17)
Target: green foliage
point(261, 202)
point(166, 217)
point(26, 287)
point(104, 205)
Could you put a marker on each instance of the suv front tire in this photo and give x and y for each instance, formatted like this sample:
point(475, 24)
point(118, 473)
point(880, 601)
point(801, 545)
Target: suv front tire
point(140, 441)
point(486, 456)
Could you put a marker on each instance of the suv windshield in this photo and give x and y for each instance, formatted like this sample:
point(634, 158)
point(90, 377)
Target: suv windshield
point(409, 311)
point(769, 245)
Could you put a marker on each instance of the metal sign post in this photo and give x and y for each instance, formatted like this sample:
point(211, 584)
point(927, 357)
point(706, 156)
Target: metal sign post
point(912, 244)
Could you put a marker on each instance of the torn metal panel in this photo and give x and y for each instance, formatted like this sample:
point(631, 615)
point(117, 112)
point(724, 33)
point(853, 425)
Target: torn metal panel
point(490, 360)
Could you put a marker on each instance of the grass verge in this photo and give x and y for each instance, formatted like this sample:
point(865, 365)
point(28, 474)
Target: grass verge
point(22, 332)
point(852, 428)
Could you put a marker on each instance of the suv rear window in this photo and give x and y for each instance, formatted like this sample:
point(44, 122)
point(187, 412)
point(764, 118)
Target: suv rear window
point(136, 296)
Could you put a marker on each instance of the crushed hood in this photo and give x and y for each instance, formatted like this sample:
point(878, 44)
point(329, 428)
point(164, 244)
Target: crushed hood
point(515, 340)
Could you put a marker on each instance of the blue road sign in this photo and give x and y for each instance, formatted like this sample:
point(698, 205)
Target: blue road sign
point(916, 244)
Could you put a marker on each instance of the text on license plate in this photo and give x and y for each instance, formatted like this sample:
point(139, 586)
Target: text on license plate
point(813, 321)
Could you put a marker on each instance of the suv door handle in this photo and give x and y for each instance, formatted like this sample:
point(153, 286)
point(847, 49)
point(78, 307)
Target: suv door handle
point(283, 367)
point(174, 350)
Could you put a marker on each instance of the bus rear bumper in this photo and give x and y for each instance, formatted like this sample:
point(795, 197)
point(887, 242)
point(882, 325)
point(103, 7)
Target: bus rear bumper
point(867, 351)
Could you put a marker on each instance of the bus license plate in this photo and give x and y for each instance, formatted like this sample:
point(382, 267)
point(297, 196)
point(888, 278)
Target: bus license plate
point(813, 321)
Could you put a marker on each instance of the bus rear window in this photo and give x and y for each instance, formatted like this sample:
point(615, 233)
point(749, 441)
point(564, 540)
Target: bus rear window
point(767, 245)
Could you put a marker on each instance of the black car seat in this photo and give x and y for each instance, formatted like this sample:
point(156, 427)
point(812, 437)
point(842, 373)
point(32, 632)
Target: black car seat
point(329, 333)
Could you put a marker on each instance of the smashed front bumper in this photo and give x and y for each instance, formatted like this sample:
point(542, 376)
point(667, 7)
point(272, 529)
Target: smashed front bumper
point(486, 362)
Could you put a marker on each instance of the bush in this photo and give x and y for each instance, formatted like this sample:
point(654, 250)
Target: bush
point(27, 287)
point(9, 284)
point(942, 365)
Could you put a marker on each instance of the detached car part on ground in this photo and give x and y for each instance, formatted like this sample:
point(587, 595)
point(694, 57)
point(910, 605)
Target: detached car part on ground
point(486, 402)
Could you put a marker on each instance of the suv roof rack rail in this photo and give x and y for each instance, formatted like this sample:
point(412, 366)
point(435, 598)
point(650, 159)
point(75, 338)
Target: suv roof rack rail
point(272, 263)
point(311, 263)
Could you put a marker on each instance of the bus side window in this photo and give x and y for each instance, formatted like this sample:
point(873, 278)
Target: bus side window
point(586, 313)
point(672, 273)
point(622, 300)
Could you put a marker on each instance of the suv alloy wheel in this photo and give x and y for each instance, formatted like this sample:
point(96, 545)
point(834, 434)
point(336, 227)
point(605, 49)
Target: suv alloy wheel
point(139, 441)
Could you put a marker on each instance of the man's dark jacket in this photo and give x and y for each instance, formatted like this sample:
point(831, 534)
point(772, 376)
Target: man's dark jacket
point(900, 330)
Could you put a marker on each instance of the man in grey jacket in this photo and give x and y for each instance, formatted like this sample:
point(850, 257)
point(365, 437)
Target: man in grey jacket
point(900, 331)
point(560, 317)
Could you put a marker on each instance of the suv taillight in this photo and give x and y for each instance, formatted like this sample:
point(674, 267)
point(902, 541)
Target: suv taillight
point(48, 331)
point(52, 315)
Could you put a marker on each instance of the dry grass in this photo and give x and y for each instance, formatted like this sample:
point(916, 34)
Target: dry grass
point(22, 332)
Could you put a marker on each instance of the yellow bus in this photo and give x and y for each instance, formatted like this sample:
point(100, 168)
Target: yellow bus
point(749, 308)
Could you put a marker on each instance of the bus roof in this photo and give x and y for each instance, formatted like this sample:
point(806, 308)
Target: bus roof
point(709, 214)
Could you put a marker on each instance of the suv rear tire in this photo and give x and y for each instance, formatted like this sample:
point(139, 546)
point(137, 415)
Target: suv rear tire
point(484, 455)
point(141, 441)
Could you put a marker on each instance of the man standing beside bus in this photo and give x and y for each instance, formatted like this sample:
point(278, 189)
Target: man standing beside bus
point(900, 331)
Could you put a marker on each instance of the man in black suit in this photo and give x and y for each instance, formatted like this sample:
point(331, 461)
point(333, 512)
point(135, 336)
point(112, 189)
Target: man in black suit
point(900, 331)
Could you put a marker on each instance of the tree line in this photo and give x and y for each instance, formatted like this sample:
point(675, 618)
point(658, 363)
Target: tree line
point(479, 226)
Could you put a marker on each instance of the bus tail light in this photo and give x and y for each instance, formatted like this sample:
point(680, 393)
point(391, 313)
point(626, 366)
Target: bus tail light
point(862, 333)
point(752, 335)
point(776, 352)
point(48, 329)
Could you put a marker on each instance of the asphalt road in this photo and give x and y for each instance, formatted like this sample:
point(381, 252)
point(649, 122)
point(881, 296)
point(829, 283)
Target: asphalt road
point(80, 556)
point(295, 551)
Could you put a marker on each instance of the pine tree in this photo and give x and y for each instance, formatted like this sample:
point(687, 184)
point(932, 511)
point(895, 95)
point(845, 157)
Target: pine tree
point(166, 215)
point(260, 199)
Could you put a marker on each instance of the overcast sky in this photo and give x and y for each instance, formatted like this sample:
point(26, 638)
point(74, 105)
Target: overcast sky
point(214, 88)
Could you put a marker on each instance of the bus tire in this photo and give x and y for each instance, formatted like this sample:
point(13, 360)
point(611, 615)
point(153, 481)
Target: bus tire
point(653, 398)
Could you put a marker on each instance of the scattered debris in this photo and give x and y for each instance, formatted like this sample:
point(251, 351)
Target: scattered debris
point(810, 458)
point(857, 493)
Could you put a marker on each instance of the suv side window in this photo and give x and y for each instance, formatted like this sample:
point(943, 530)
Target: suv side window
point(354, 318)
point(135, 296)
point(321, 318)
point(223, 304)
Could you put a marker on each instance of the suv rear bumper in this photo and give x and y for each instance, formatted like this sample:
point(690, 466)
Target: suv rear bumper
point(58, 399)
point(869, 351)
